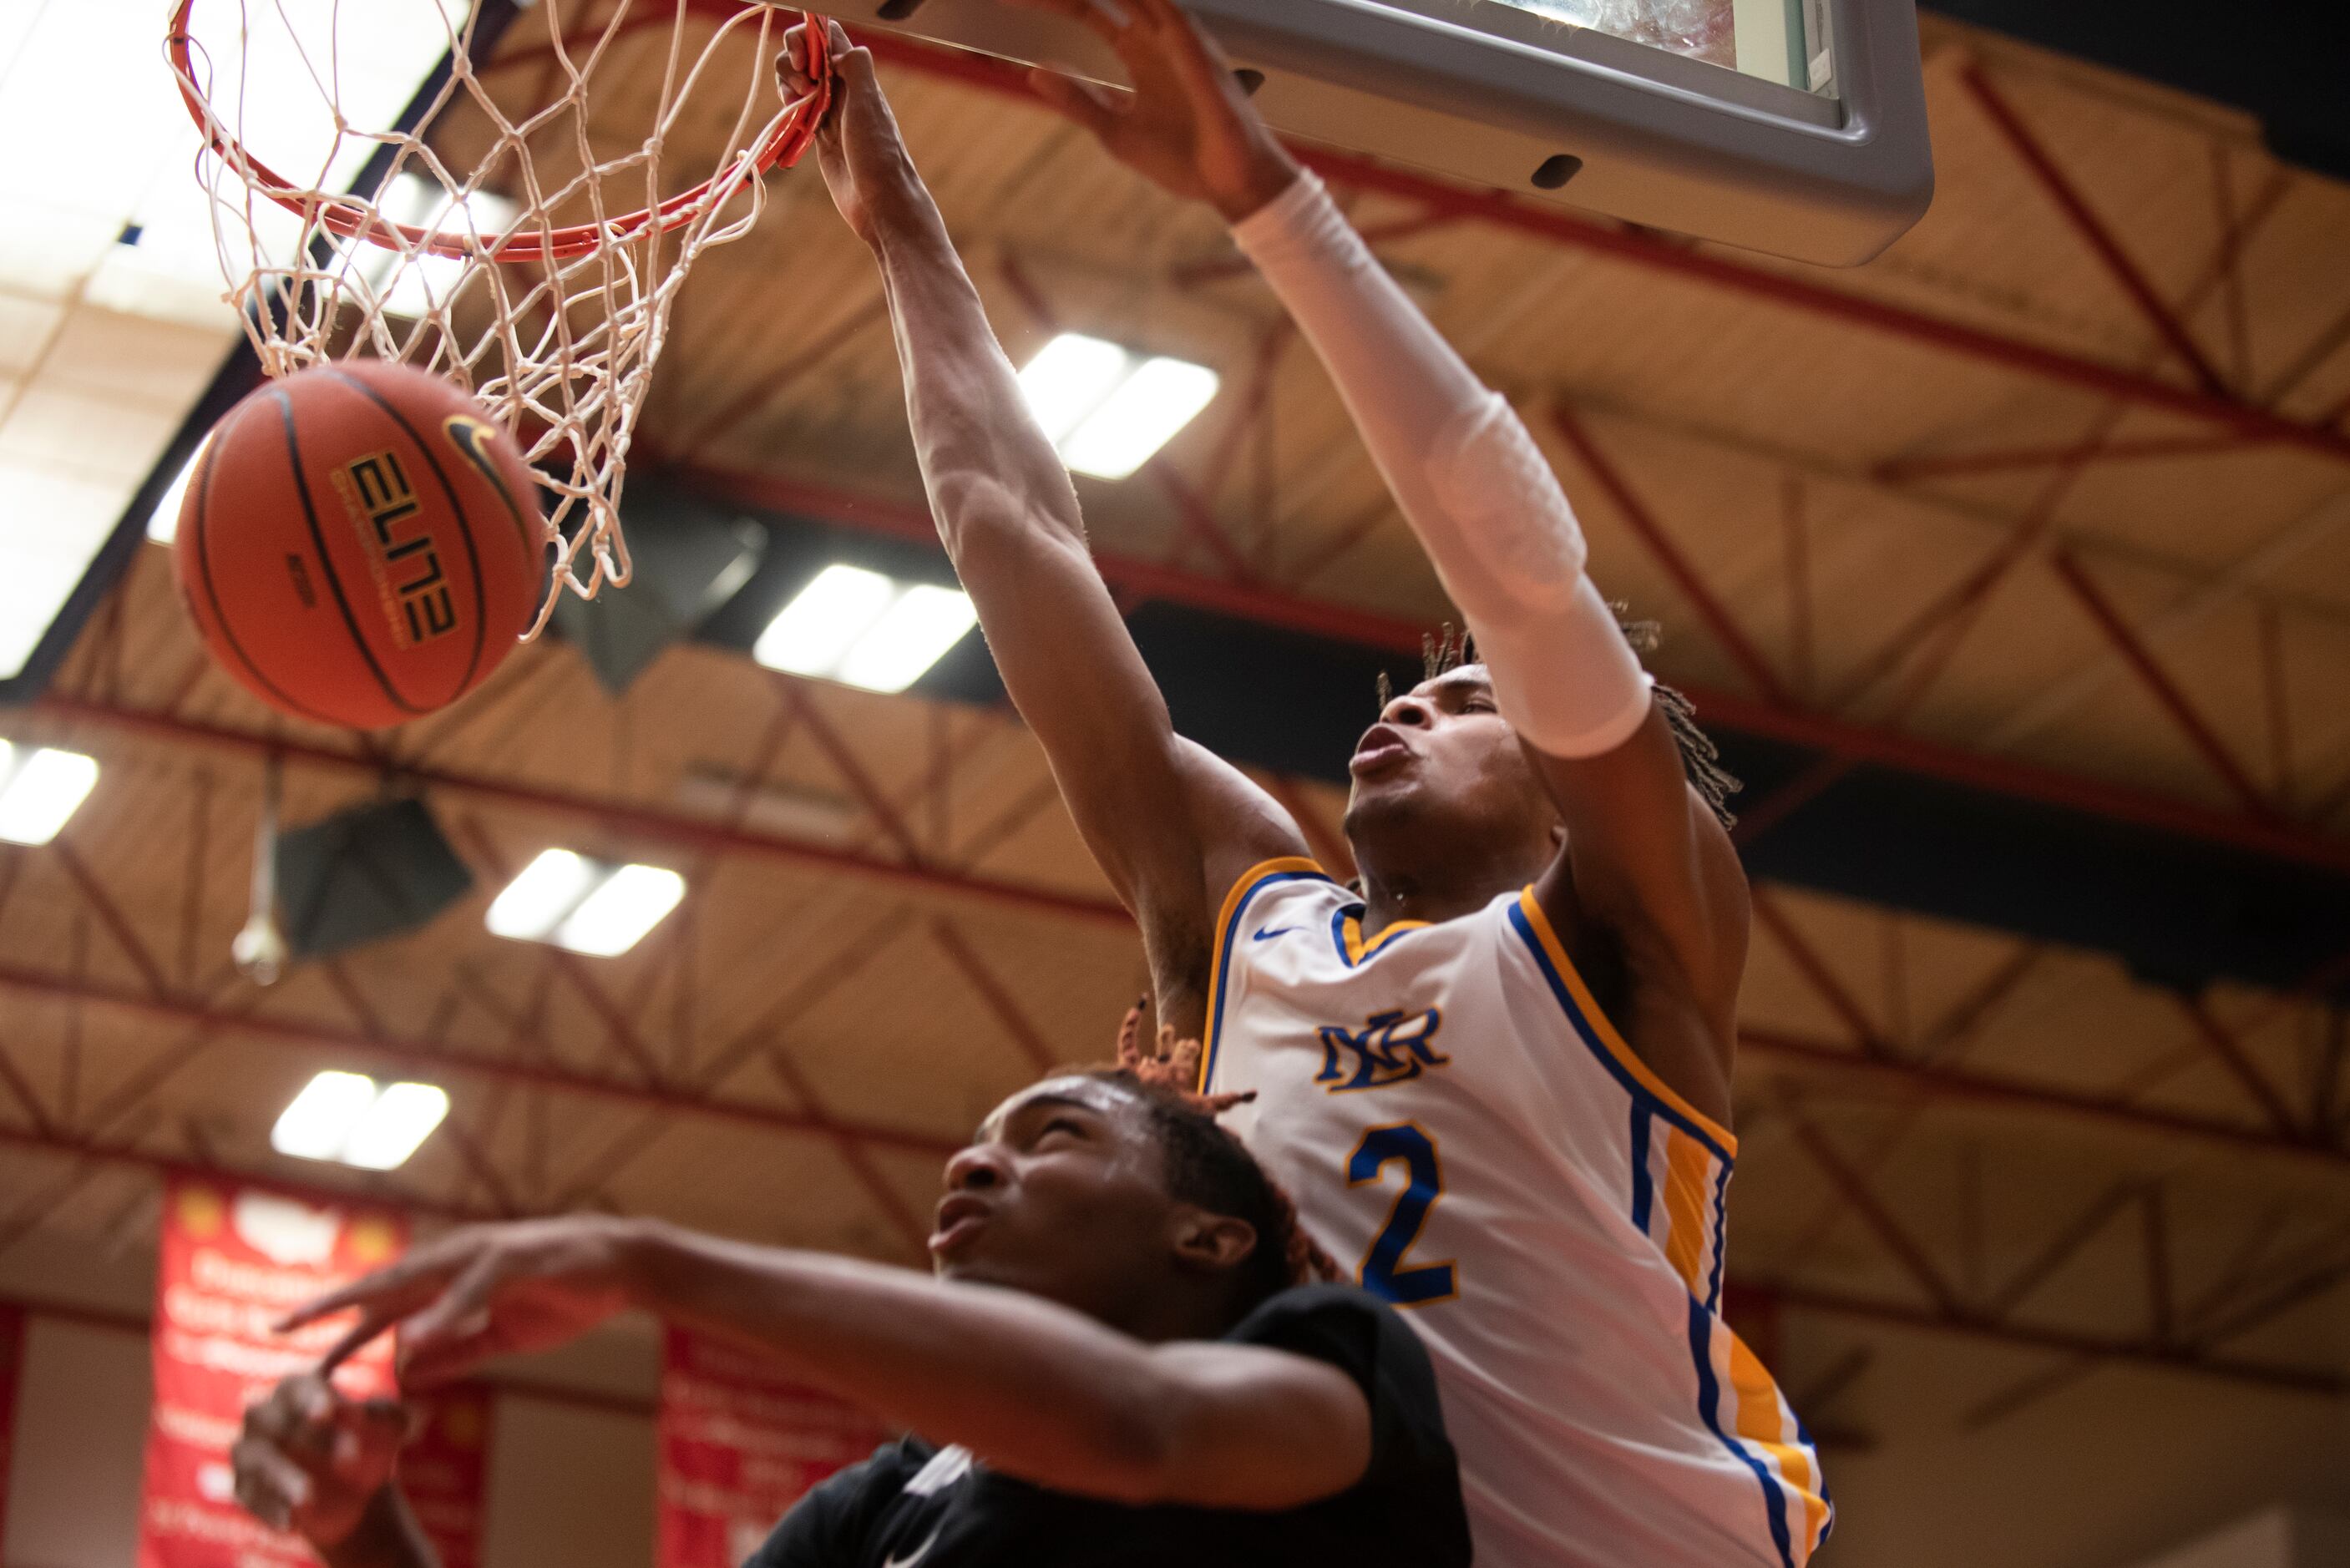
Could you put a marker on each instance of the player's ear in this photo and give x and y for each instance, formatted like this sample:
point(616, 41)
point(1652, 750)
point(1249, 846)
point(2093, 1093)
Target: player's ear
point(1211, 1244)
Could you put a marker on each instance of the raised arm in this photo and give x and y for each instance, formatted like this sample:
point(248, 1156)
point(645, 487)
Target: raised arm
point(1644, 854)
point(1032, 1388)
point(1171, 825)
point(309, 1461)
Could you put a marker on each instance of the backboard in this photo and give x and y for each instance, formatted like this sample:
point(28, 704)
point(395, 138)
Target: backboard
point(1795, 126)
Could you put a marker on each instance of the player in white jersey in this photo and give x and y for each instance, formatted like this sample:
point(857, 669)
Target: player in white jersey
point(1496, 1080)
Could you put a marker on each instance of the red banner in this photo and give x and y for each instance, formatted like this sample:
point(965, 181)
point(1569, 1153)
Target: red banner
point(444, 1471)
point(12, 1361)
point(738, 1447)
point(236, 1259)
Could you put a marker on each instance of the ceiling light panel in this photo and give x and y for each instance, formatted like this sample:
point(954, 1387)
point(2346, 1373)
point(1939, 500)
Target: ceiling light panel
point(395, 1126)
point(536, 902)
point(824, 620)
point(41, 791)
point(1107, 409)
point(1069, 379)
point(865, 629)
point(587, 906)
point(347, 1118)
point(412, 287)
point(320, 1120)
point(1146, 412)
point(615, 917)
point(912, 634)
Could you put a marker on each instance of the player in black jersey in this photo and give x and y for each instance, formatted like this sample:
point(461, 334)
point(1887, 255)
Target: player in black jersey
point(1119, 1361)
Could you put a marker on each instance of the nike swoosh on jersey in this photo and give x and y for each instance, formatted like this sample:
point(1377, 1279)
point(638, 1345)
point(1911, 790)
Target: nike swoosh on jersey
point(920, 1552)
point(1265, 936)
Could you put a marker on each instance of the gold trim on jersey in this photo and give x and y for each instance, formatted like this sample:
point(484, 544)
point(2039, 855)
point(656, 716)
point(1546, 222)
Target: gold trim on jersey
point(1603, 1029)
point(1357, 949)
point(1219, 952)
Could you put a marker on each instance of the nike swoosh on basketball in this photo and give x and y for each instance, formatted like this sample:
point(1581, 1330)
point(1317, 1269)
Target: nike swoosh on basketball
point(1264, 935)
point(920, 1552)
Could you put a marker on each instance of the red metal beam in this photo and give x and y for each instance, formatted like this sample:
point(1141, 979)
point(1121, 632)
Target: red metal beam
point(1901, 469)
point(1851, 743)
point(997, 1000)
point(716, 426)
point(111, 915)
point(2063, 1247)
point(1669, 257)
point(1831, 1302)
point(853, 1154)
point(21, 1088)
point(1954, 608)
point(1677, 564)
point(434, 1057)
point(619, 1032)
point(1995, 1092)
point(2091, 229)
point(2230, 1054)
point(1814, 970)
point(1865, 1202)
point(1895, 1315)
point(796, 698)
point(2321, 348)
point(637, 821)
point(106, 1151)
point(2157, 682)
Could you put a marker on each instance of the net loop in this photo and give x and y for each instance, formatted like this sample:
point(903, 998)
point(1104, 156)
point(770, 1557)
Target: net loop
point(505, 235)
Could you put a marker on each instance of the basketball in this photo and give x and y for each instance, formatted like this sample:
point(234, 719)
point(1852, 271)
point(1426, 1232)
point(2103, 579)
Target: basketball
point(360, 545)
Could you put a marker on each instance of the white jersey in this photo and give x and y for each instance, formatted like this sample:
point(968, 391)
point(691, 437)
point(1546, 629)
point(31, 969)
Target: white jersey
point(1462, 1127)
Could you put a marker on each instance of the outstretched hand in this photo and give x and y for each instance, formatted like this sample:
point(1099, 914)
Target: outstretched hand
point(858, 147)
point(486, 1291)
point(309, 1459)
point(1186, 125)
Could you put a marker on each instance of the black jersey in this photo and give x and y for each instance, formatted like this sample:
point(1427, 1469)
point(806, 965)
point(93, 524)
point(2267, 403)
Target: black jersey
point(914, 1506)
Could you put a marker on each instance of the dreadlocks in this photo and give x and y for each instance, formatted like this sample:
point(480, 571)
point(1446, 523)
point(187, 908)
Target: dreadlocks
point(1208, 1165)
point(1700, 759)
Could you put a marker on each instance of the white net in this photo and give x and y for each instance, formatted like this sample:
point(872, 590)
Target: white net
point(497, 195)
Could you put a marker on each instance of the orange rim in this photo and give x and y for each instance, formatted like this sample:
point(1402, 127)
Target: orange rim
point(354, 217)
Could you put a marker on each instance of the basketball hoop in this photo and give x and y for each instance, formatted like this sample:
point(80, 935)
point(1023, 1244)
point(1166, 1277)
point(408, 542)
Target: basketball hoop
point(480, 245)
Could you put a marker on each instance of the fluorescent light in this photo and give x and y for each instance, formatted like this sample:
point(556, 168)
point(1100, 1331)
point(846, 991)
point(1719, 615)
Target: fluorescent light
point(1107, 410)
point(343, 1117)
point(616, 917)
point(1070, 378)
point(42, 793)
point(865, 629)
point(535, 903)
point(824, 620)
point(391, 1129)
point(914, 633)
point(163, 522)
point(323, 1116)
point(411, 285)
point(1139, 417)
point(584, 905)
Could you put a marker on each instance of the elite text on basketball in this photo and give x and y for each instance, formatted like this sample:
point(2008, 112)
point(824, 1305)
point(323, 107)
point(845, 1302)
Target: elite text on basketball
point(401, 556)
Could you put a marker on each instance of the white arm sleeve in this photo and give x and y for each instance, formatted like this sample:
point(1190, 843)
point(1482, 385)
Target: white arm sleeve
point(1469, 478)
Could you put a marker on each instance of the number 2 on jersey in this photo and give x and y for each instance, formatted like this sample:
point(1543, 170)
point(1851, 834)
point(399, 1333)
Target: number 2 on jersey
point(1383, 1272)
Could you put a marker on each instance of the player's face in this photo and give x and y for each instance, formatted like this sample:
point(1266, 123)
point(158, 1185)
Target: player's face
point(1442, 756)
point(1063, 1195)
